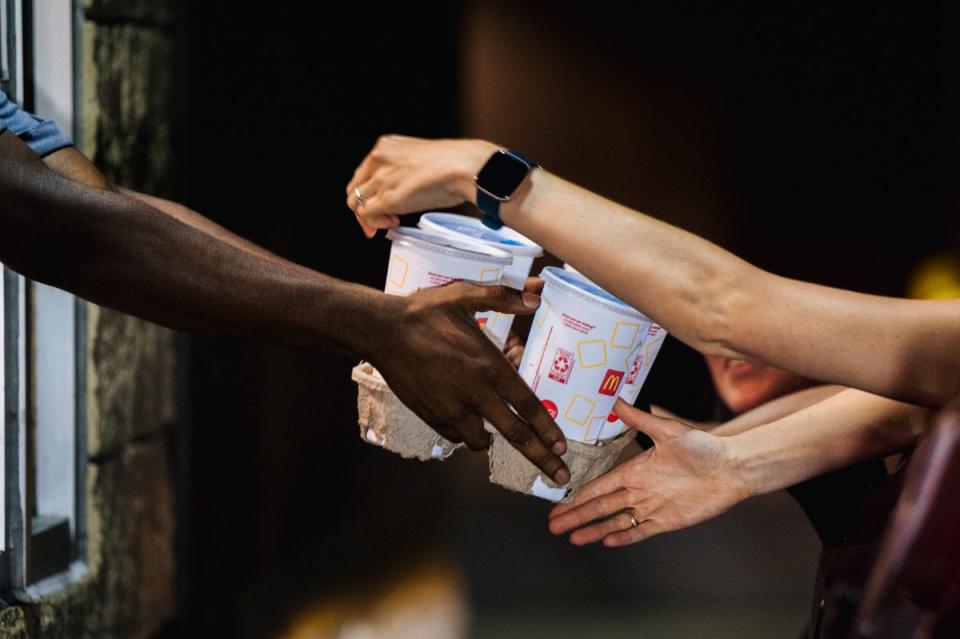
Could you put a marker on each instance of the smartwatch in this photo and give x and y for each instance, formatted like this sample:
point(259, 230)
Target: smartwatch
point(498, 180)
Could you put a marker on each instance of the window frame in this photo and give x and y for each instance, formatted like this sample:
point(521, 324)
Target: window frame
point(27, 573)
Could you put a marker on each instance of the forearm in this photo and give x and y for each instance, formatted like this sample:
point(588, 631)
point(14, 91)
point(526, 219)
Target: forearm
point(76, 167)
point(776, 409)
point(841, 430)
point(673, 276)
point(721, 305)
point(118, 252)
point(703, 295)
point(203, 224)
point(660, 411)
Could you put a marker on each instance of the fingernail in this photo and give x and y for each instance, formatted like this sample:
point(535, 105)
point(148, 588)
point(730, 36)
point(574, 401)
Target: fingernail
point(530, 300)
point(559, 447)
point(562, 476)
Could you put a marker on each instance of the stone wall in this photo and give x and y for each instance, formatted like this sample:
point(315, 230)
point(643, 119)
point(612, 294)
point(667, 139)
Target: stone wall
point(127, 115)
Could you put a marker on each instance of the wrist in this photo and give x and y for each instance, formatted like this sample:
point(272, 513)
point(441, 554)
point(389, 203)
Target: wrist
point(368, 321)
point(475, 155)
point(747, 465)
point(521, 199)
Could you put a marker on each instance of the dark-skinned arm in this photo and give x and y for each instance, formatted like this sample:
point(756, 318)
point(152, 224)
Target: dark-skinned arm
point(122, 253)
point(75, 166)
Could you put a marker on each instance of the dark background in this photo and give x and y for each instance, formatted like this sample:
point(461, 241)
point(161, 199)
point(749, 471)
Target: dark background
point(819, 143)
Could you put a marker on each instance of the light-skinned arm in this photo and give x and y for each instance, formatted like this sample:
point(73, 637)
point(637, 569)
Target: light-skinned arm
point(690, 476)
point(704, 295)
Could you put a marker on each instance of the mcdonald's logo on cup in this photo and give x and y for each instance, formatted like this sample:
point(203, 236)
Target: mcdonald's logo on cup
point(611, 382)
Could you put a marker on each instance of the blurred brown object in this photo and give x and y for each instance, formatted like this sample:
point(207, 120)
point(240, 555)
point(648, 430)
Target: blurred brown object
point(426, 601)
point(913, 587)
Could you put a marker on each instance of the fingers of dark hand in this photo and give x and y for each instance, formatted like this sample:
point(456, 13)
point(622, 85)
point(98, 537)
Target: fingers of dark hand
point(534, 285)
point(515, 392)
point(498, 298)
point(524, 438)
point(468, 429)
point(447, 432)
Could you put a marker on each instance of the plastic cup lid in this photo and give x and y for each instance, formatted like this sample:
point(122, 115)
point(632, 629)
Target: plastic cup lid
point(576, 284)
point(447, 245)
point(505, 238)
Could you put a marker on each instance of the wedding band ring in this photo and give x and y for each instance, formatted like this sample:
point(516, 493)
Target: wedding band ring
point(634, 520)
point(356, 193)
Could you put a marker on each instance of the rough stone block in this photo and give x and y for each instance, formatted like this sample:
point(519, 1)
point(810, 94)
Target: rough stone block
point(129, 380)
point(111, 375)
point(111, 380)
point(110, 544)
point(155, 398)
point(12, 624)
point(128, 104)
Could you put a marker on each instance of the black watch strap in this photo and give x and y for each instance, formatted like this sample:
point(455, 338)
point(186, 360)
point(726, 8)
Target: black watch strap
point(490, 207)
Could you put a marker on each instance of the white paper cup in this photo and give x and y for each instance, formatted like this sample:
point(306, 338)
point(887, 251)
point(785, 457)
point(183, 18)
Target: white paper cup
point(523, 251)
point(580, 349)
point(419, 259)
point(636, 376)
point(639, 369)
point(423, 259)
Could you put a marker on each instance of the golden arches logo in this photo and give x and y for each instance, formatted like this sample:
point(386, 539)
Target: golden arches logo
point(611, 382)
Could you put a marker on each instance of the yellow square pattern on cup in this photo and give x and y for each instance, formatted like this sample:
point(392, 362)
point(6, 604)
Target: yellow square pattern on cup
point(592, 353)
point(398, 271)
point(489, 275)
point(625, 334)
point(580, 410)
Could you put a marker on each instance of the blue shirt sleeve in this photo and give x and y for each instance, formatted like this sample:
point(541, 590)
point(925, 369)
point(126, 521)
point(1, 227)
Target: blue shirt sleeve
point(42, 136)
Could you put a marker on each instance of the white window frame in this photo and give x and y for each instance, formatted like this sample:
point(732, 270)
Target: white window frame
point(13, 341)
point(53, 312)
point(44, 342)
point(3, 413)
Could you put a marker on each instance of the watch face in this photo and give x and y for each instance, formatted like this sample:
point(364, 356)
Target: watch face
point(502, 174)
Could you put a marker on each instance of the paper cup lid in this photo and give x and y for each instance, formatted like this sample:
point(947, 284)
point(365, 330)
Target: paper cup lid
point(447, 245)
point(504, 238)
point(576, 284)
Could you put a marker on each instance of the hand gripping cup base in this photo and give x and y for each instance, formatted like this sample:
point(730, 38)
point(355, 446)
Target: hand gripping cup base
point(512, 470)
